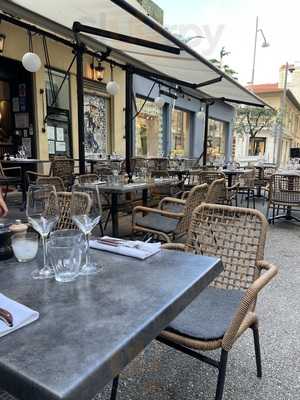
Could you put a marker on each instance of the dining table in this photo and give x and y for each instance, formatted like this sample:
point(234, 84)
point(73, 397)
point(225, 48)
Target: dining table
point(116, 190)
point(233, 173)
point(90, 329)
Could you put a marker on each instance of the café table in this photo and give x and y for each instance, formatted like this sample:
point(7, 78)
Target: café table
point(118, 189)
point(231, 173)
point(90, 329)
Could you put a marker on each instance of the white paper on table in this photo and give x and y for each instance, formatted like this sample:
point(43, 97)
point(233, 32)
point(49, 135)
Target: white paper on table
point(22, 315)
point(142, 251)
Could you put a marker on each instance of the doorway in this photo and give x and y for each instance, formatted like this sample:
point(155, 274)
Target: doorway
point(16, 109)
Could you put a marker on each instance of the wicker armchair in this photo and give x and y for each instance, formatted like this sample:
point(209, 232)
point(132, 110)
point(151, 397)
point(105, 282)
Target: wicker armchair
point(55, 181)
point(64, 203)
point(60, 167)
point(247, 184)
point(226, 309)
point(172, 217)
point(6, 180)
point(219, 193)
point(284, 193)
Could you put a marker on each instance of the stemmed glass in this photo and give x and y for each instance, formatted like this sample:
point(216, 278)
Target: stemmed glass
point(42, 212)
point(86, 219)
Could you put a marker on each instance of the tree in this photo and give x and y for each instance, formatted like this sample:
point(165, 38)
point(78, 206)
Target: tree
point(224, 67)
point(251, 121)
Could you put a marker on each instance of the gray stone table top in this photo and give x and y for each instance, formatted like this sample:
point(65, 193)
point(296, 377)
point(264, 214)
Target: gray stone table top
point(90, 329)
point(132, 187)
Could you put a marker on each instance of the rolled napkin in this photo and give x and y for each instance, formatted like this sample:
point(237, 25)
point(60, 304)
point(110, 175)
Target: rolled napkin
point(21, 315)
point(130, 248)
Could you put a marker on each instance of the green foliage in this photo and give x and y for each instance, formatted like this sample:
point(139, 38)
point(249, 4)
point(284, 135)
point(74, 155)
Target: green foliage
point(252, 120)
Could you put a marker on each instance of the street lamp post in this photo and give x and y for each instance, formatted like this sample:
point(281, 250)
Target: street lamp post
point(264, 45)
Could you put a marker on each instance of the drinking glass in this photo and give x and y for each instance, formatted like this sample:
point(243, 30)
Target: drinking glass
point(86, 220)
point(66, 248)
point(25, 246)
point(43, 213)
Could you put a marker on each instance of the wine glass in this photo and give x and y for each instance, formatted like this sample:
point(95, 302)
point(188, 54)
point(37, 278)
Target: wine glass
point(86, 219)
point(43, 213)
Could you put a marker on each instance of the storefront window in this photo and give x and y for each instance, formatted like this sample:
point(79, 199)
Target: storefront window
point(96, 124)
point(54, 80)
point(149, 130)
point(58, 114)
point(257, 146)
point(180, 133)
point(216, 143)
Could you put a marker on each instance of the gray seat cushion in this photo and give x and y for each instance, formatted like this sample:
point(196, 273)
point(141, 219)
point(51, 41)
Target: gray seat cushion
point(157, 222)
point(208, 316)
point(173, 207)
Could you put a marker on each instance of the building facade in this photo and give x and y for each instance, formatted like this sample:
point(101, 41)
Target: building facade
point(273, 143)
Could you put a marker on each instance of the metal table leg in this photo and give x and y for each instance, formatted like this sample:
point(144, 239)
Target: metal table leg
point(114, 214)
point(145, 197)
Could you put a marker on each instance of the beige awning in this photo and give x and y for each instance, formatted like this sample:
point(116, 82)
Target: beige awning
point(129, 18)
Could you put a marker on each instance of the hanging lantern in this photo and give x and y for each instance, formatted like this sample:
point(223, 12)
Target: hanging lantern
point(200, 115)
point(99, 72)
point(159, 101)
point(2, 42)
point(112, 86)
point(31, 61)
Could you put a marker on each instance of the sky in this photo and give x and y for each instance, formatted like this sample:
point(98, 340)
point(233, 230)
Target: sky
point(231, 23)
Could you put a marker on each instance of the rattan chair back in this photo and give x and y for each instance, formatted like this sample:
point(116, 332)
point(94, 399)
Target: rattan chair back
point(268, 172)
point(87, 178)
point(193, 178)
point(210, 176)
point(195, 197)
point(63, 168)
point(236, 235)
point(248, 179)
point(1, 171)
point(285, 189)
point(83, 202)
point(55, 181)
point(217, 192)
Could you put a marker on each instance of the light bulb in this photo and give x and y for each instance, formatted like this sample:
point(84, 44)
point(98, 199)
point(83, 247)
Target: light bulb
point(31, 62)
point(112, 88)
point(159, 101)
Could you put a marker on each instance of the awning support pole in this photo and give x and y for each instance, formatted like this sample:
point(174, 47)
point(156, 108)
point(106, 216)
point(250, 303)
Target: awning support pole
point(205, 139)
point(128, 123)
point(80, 104)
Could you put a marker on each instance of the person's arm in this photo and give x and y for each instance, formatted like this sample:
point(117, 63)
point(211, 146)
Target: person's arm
point(3, 206)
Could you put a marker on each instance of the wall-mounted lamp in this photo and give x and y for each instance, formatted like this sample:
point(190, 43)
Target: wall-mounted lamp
point(2, 42)
point(97, 71)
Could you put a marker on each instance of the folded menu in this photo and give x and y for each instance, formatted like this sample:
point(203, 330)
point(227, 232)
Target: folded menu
point(21, 315)
point(130, 248)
